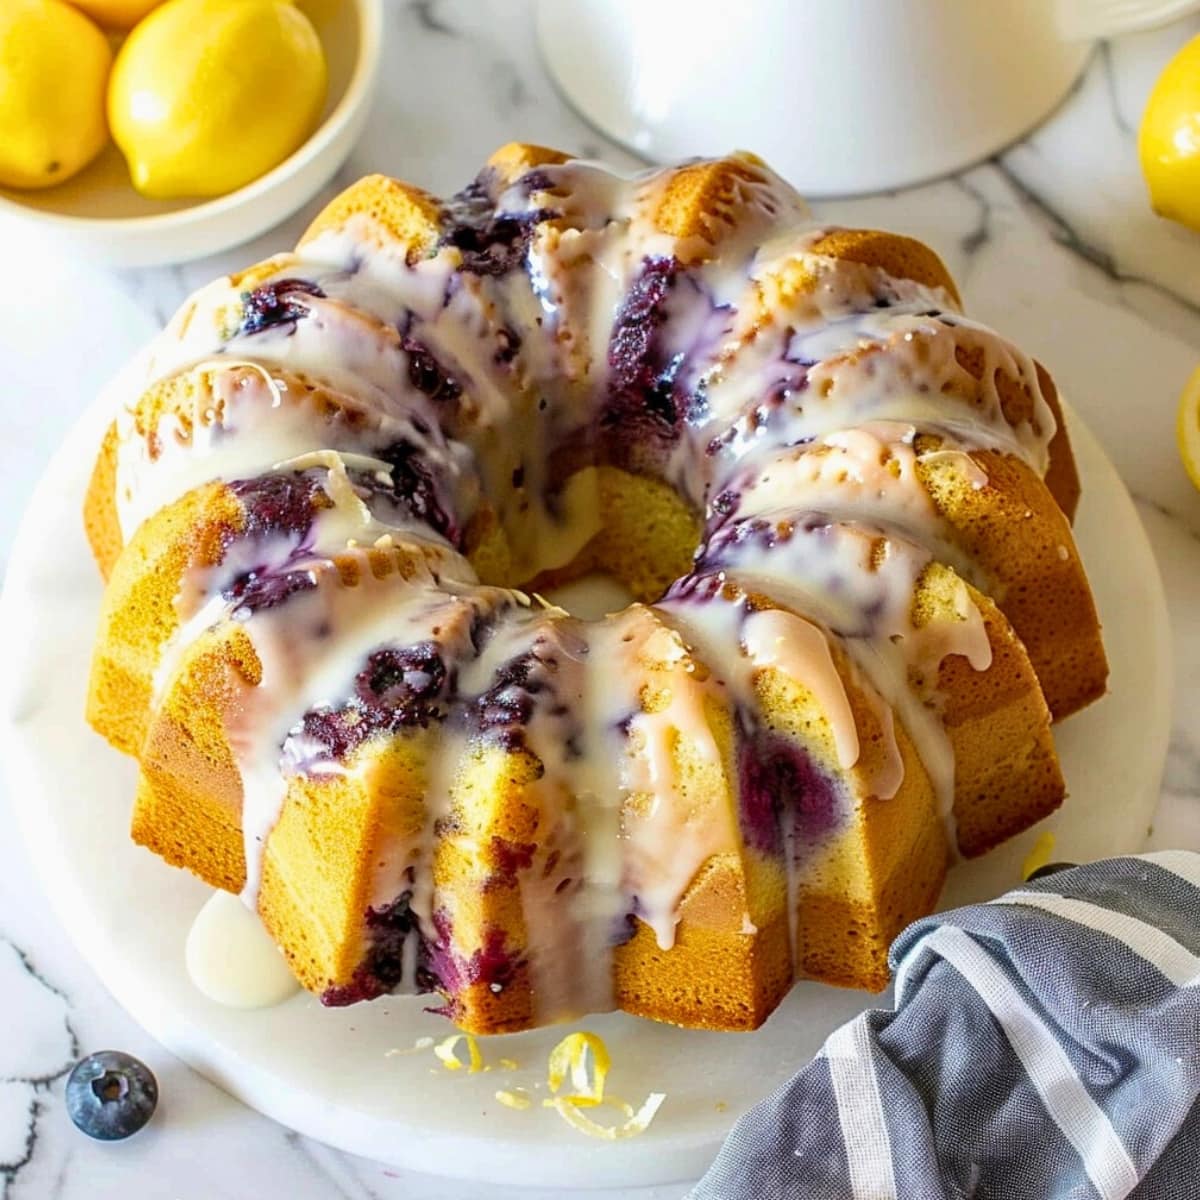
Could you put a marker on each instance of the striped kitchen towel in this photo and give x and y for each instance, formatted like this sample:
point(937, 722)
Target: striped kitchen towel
point(1043, 1046)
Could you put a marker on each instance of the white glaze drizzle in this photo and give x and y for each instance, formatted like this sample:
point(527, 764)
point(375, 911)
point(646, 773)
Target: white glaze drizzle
point(230, 957)
point(861, 585)
point(776, 368)
point(670, 832)
point(310, 650)
point(245, 419)
point(788, 643)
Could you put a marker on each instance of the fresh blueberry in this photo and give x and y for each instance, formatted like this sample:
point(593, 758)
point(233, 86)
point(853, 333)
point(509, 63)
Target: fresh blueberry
point(111, 1095)
point(1050, 869)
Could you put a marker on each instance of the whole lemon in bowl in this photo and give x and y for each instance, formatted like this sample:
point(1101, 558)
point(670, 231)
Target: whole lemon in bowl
point(116, 14)
point(207, 95)
point(53, 71)
point(1169, 138)
point(1187, 427)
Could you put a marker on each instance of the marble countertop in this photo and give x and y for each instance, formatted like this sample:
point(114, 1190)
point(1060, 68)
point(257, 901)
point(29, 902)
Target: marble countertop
point(1053, 242)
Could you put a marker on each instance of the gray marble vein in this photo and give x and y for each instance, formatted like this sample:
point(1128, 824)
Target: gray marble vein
point(1121, 119)
point(977, 237)
point(427, 13)
point(336, 1169)
point(1068, 236)
point(39, 1050)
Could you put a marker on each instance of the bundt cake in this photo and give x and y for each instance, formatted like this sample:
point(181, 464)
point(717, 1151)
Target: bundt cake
point(328, 513)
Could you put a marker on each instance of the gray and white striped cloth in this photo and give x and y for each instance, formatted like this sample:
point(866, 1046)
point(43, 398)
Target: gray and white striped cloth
point(1043, 1046)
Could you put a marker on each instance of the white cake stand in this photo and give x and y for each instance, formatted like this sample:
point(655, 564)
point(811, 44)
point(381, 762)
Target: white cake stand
point(328, 1073)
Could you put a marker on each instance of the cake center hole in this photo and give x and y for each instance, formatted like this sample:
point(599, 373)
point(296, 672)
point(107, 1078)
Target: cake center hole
point(591, 597)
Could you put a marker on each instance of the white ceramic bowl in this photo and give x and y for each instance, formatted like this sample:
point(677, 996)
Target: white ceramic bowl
point(98, 215)
point(840, 96)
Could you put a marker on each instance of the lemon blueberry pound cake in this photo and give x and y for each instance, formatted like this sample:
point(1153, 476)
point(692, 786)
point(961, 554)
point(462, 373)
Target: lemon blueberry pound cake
point(327, 514)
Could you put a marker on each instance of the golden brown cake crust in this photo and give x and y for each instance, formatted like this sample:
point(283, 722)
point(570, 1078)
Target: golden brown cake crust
point(388, 210)
point(138, 617)
point(701, 201)
point(742, 934)
point(99, 506)
point(516, 158)
point(901, 257)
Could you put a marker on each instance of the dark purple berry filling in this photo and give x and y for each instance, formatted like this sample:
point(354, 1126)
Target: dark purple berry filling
point(511, 857)
point(624, 927)
point(537, 180)
point(500, 246)
point(405, 685)
point(471, 206)
point(439, 968)
point(327, 734)
point(428, 375)
point(695, 588)
point(728, 541)
point(399, 688)
point(777, 777)
point(280, 504)
point(275, 506)
point(383, 968)
point(726, 502)
point(637, 323)
point(414, 488)
point(257, 590)
point(506, 707)
point(275, 303)
point(646, 407)
point(491, 242)
point(508, 342)
point(764, 785)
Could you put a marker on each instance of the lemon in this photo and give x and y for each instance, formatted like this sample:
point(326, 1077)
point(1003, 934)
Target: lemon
point(1187, 427)
point(1169, 138)
point(116, 14)
point(207, 95)
point(53, 68)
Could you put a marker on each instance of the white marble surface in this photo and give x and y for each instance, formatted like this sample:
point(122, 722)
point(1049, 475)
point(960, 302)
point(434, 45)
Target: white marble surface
point(1052, 242)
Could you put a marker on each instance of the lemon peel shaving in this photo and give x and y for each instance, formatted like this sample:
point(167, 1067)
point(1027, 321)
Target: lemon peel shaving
point(447, 1051)
point(571, 1059)
point(580, 1058)
point(1039, 856)
point(517, 1097)
point(635, 1122)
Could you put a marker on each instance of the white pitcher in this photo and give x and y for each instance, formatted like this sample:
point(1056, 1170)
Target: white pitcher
point(840, 96)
